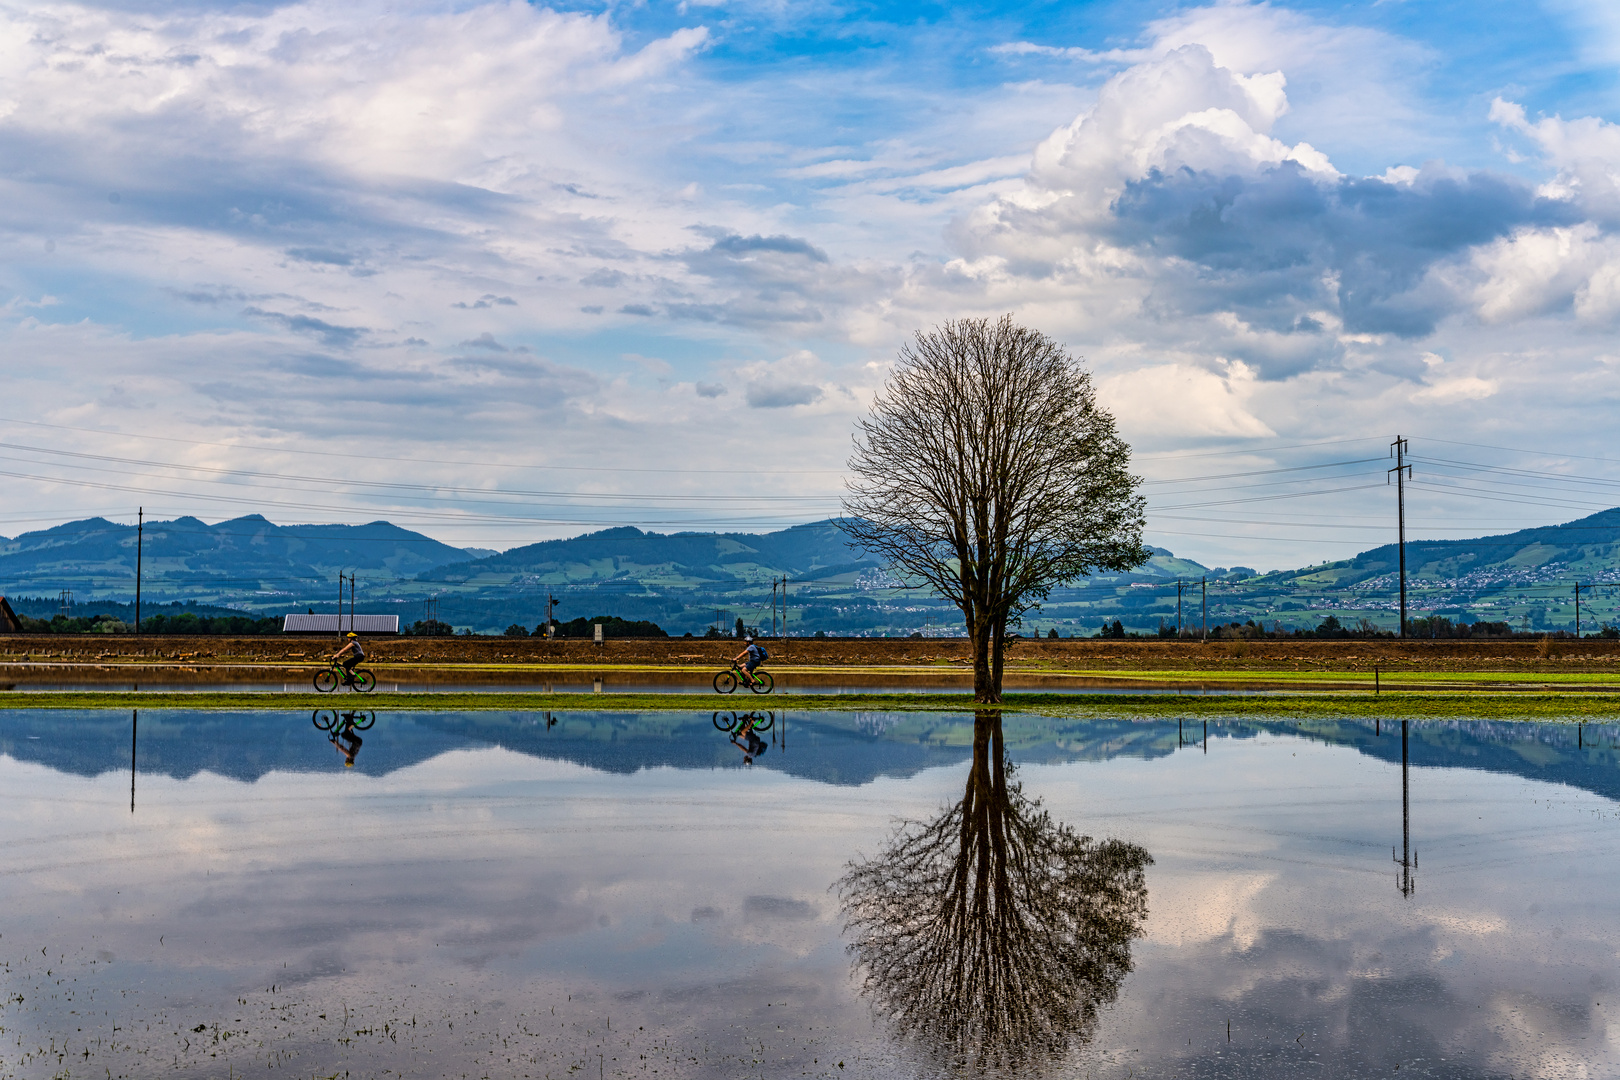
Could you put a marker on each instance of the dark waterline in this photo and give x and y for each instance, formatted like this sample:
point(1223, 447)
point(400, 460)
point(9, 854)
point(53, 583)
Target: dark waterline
point(499, 891)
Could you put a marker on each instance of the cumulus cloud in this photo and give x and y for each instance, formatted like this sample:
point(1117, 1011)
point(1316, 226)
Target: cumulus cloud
point(1242, 218)
point(1186, 401)
point(1172, 190)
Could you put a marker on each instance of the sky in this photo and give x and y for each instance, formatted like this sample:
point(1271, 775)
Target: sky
point(502, 272)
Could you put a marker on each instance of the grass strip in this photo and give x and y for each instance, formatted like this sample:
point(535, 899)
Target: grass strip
point(1459, 705)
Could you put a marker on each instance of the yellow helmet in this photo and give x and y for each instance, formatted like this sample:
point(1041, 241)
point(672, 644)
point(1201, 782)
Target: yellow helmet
point(351, 633)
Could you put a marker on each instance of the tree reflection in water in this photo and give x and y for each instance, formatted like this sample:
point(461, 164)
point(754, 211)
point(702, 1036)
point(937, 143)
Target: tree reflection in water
point(992, 934)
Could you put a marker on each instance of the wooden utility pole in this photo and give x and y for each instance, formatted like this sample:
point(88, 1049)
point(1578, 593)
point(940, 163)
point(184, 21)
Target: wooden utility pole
point(140, 528)
point(1204, 584)
point(1402, 472)
point(1577, 610)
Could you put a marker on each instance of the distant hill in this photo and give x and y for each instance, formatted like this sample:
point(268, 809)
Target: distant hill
point(1525, 577)
point(1586, 547)
point(817, 551)
point(187, 559)
point(686, 582)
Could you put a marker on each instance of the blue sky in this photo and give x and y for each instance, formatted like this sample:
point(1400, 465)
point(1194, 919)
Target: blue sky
point(653, 259)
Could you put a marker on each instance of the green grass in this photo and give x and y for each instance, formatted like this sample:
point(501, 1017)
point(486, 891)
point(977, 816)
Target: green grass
point(1522, 705)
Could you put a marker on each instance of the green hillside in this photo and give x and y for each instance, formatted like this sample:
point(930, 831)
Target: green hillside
point(1525, 578)
point(233, 562)
point(686, 582)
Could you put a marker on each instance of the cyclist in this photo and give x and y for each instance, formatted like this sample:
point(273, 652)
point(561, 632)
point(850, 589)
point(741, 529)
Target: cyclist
point(348, 656)
point(756, 655)
point(753, 746)
point(350, 744)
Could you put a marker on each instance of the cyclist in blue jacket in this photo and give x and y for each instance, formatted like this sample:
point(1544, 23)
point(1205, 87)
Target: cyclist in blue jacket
point(756, 655)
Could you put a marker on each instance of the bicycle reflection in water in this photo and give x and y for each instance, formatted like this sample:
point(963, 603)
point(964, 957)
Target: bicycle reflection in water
point(342, 730)
point(745, 729)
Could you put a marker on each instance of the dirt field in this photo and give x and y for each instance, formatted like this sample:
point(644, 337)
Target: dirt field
point(1521, 656)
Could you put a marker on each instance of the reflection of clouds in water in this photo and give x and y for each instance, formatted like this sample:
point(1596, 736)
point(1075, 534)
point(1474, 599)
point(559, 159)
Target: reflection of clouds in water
point(876, 723)
point(693, 903)
point(1214, 905)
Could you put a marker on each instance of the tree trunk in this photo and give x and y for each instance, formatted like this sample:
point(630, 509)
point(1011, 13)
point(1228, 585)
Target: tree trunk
point(998, 653)
point(986, 676)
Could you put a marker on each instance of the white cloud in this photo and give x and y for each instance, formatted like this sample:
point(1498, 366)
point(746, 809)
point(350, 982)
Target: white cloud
point(1179, 401)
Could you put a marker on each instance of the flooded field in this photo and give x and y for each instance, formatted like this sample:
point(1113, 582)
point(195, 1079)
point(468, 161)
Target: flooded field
point(691, 894)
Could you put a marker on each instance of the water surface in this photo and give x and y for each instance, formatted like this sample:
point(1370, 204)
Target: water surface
point(533, 894)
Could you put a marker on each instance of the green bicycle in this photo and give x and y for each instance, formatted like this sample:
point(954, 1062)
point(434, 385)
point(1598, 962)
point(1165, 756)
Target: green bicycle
point(333, 676)
point(740, 724)
point(760, 682)
point(332, 720)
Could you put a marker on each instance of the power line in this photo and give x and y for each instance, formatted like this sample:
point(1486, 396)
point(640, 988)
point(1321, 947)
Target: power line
point(388, 485)
point(412, 460)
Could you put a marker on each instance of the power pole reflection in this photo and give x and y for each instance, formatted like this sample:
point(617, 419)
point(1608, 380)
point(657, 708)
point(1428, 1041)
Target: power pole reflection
point(134, 724)
point(1405, 881)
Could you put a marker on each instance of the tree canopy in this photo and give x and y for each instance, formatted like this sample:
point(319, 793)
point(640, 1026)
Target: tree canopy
point(988, 470)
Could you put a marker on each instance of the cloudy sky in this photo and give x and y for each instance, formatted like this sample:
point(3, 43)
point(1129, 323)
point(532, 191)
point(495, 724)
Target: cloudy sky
point(502, 271)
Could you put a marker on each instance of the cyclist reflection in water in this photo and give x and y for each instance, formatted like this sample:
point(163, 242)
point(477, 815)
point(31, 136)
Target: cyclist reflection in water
point(346, 741)
point(751, 745)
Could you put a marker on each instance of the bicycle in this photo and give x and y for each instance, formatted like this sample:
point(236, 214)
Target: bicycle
point(738, 723)
point(760, 682)
point(329, 679)
point(332, 720)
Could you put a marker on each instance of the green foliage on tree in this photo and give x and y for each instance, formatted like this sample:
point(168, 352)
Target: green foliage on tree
point(612, 627)
point(988, 470)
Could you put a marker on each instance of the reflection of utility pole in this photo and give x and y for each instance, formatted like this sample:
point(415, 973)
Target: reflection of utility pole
point(1404, 881)
point(134, 722)
point(1402, 471)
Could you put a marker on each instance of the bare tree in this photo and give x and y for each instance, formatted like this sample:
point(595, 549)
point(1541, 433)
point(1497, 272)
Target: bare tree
point(988, 470)
point(992, 935)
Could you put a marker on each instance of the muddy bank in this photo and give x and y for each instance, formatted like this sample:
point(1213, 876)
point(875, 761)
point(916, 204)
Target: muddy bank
point(296, 653)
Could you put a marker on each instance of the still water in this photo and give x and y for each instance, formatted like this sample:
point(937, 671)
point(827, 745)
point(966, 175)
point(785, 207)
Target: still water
point(843, 894)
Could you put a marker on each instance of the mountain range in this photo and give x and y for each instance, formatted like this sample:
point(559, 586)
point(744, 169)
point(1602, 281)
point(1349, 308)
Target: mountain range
point(690, 581)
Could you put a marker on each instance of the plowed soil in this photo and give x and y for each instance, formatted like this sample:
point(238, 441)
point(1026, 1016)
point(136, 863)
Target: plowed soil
point(1509, 655)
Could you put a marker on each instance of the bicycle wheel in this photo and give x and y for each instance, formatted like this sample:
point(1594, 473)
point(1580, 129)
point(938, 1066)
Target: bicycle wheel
point(727, 723)
point(369, 719)
point(764, 723)
point(364, 681)
point(323, 719)
point(765, 683)
point(725, 682)
point(326, 681)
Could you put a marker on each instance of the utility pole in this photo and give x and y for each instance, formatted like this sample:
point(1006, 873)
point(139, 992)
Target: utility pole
point(1204, 633)
point(1402, 472)
point(1577, 611)
point(773, 606)
point(551, 618)
point(140, 528)
point(1178, 609)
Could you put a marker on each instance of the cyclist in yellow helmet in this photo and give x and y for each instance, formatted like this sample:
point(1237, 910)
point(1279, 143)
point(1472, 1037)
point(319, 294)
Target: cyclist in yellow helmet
point(348, 656)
